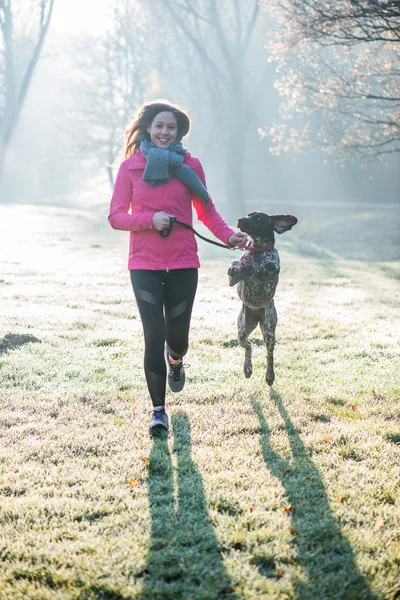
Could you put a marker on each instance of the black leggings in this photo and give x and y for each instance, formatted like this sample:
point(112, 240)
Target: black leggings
point(165, 301)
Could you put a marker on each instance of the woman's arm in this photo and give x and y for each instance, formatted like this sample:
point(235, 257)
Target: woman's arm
point(119, 216)
point(208, 214)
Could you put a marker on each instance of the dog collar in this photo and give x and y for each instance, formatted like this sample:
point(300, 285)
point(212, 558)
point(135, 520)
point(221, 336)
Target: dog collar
point(259, 249)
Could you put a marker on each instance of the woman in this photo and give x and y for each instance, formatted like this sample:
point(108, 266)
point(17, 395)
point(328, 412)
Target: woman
point(158, 179)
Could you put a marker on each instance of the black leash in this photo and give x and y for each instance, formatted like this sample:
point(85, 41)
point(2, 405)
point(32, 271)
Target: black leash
point(165, 233)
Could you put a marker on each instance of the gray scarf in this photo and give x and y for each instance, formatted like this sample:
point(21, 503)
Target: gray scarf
point(163, 164)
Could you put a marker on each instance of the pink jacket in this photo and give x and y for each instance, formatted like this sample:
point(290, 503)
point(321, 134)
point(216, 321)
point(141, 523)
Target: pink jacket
point(133, 204)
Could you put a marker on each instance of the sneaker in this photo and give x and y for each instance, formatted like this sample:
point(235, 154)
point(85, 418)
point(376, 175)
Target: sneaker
point(176, 374)
point(159, 422)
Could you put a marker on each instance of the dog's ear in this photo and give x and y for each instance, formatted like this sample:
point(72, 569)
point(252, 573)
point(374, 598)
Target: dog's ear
point(283, 223)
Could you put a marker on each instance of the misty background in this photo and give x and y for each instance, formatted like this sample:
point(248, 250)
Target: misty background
point(226, 63)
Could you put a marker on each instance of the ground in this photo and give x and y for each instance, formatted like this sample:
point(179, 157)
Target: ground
point(257, 494)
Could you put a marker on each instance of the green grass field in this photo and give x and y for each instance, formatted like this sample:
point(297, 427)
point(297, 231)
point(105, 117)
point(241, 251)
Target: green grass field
point(289, 493)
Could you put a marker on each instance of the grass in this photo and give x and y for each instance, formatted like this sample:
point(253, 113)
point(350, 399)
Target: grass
point(258, 494)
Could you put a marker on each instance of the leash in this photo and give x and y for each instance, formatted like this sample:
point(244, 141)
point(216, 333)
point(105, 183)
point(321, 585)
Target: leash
point(165, 233)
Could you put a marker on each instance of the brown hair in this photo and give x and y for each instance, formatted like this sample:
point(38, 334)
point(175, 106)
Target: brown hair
point(136, 130)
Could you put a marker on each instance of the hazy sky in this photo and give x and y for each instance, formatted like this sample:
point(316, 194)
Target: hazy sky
point(74, 16)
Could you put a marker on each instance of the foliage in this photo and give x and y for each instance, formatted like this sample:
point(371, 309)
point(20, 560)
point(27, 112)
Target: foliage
point(338, 76)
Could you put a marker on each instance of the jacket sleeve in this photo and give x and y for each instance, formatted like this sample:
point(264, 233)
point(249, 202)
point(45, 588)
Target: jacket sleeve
point(208, 214)
point(120, 206)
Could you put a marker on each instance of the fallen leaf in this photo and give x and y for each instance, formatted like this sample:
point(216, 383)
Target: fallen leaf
point(326, 440)
point(252, 509)
point(309, 478)
point(288, 510)
point(133, 483)
point(341, 497)
point(293, 531)
point(379, 523)
point(232, 588)
point(355, 408)
point(145, 459)
point(280, 573)
point(168, 453)
point(309, 400)
point(285, 470)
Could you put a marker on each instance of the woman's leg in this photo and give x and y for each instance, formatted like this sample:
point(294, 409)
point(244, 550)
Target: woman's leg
point(179, 293)
point(148, 287)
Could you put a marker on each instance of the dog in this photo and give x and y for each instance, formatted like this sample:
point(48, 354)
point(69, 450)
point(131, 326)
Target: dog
point(256, 274)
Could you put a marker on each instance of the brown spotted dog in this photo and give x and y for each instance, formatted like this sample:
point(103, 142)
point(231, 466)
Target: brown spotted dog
point(256, 274)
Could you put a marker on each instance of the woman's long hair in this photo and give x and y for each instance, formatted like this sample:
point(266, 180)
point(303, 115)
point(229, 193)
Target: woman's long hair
point(137, 129)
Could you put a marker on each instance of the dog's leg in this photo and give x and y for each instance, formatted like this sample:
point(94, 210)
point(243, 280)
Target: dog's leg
point(268, 327)
point(247, 322)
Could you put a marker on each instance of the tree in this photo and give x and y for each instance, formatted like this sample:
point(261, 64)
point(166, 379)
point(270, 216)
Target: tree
point(339, 77)
point(21, 50)
point(116, 74)
point(221, 34)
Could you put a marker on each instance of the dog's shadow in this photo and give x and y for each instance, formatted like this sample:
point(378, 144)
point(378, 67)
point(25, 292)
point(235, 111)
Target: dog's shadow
point(323, 551)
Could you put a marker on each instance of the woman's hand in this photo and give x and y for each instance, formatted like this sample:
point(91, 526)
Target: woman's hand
point(160, 220)
point(238, 239)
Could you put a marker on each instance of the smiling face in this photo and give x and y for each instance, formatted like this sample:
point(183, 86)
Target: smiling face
point(163, 130)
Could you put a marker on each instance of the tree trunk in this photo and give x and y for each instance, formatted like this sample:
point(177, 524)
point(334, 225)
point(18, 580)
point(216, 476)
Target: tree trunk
point(15, 98)
point(110, 175)
point(234, 166)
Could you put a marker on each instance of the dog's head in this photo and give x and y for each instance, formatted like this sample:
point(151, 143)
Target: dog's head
point(260, 225)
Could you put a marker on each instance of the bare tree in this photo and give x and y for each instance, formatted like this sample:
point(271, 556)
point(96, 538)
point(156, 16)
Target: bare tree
point(115, 76)
point(339, 77)
point(20, 51)
point(221, 33)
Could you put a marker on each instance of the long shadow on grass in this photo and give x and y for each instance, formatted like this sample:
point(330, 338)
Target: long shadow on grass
point(184, 558)
point(324, 554)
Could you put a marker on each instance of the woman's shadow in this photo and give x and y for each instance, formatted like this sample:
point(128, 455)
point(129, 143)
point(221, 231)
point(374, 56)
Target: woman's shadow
point(329, 565)
point(184, 559)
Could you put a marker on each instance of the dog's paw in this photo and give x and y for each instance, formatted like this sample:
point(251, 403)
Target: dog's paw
point(270, 377)
point(234, 272)
point(234, 268)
